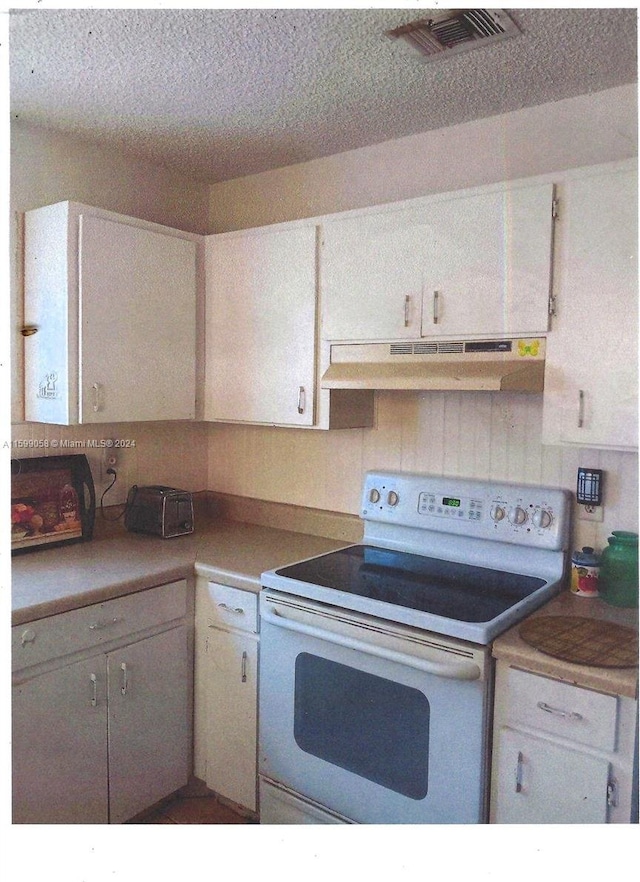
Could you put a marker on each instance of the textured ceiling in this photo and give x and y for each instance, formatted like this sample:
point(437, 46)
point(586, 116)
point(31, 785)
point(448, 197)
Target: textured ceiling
point(221, 93)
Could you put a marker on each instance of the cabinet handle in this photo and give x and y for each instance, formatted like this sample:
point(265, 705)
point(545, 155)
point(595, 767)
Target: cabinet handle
point(558, 712)
point(243, 668)
point(407, 304)
point(436, 307)
point(99, 626)
point(519, 766)
point(581, 408)
point(94, 690)
point(125, 678)
point(233, 609)
point(29, 330)
point(301, 399)
point(97, 397)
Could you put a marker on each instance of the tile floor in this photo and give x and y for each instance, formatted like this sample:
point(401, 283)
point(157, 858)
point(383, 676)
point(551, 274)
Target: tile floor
point(194, 810)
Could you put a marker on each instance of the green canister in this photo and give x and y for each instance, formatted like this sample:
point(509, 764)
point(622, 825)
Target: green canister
point(619, 570)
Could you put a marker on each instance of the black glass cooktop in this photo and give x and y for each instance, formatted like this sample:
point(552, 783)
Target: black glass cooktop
point(457, 591)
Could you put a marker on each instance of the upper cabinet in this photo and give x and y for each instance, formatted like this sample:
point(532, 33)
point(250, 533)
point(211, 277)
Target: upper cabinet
point(262, 353)
point(261, 326)
point(110, 318)
point(475, 264)
point(591, 374)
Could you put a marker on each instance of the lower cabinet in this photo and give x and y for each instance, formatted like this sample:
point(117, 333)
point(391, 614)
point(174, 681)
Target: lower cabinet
point(100, 739)
point(226, 691)
point(561, 754)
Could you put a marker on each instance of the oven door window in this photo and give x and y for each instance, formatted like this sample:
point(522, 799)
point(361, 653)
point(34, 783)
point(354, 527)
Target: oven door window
point(368, 725)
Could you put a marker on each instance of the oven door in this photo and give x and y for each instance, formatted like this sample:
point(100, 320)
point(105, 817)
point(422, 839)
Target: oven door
point(377, 722)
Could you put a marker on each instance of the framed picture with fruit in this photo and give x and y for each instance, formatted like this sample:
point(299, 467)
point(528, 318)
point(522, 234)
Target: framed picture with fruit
point(52, 501)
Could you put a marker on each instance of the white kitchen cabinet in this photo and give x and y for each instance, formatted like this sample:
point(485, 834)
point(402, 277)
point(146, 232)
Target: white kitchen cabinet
point(561, 754)
point(226, 692)
point(110, 318)
point(60, 765)
point(261, 326)
point(591, 373)
point(101, 709)
point(475, 263)
point(148, 731)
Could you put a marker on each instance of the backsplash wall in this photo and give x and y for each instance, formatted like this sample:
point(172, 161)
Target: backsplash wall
point(155, 453)
point(470, 434)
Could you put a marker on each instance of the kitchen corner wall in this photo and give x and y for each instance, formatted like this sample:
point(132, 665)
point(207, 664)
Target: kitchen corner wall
point(482, 435)
point(45, 168)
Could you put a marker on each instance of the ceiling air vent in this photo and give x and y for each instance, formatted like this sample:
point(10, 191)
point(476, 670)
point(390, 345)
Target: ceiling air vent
point(456, 30)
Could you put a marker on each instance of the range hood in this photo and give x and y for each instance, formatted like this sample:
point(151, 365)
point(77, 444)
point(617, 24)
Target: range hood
point(515, 365)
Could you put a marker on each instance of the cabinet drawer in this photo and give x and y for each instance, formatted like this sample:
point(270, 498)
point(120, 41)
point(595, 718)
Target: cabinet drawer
point(223, 606)
point(561, 709)
point(91, 626)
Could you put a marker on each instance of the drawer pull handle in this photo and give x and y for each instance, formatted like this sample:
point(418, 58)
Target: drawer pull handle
point(125, 678)
point(94, 690)
point(244, 667)
point(98, 626)
point(27, 636)
point(558, 712)
point(233, 609)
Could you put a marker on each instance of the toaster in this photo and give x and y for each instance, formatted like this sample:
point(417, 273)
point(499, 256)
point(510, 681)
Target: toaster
point(161, 511)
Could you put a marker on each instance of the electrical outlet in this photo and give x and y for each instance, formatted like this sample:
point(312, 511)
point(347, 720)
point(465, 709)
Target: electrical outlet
point(593, 513)
point(109, 461)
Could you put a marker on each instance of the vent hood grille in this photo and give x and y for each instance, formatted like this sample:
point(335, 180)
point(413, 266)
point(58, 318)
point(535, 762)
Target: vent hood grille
point(456, 30)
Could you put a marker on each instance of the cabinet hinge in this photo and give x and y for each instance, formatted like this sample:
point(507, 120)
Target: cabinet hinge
point(554, 209)
point(552, 303)
point(612, 793)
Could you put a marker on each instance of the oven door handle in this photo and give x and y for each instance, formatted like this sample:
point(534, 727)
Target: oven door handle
point(458, 670)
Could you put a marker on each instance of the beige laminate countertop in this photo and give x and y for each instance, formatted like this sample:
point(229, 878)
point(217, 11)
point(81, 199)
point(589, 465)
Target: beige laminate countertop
point(511, 648)
point(53, 581)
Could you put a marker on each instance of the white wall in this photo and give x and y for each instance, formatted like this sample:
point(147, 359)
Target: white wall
point(470, 434)
point(566, 134)
point(47, 168)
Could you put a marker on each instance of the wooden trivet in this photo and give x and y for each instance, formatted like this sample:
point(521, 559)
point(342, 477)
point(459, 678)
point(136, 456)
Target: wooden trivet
point(582, 641)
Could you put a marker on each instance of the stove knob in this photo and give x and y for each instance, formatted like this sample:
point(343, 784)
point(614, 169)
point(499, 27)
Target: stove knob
point(542, 518)
point(517, 515)
point(497, 512)
point(393, 498)
point(374, 496)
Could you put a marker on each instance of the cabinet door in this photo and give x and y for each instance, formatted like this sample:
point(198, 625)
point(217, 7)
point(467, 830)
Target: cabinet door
point(489, 264)
point(137, 323)
point(471, 265)
point(372, 275)
point(231, 698)
point(591, 374)
point(60, 746)
point(541, 782)
point(149, 727)
point(260, 327)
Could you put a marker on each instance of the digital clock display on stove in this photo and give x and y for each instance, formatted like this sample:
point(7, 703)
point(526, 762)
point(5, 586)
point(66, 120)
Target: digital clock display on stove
point(452, 503)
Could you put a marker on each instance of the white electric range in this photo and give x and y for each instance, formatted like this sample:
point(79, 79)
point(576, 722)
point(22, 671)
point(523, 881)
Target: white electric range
point(376, 675)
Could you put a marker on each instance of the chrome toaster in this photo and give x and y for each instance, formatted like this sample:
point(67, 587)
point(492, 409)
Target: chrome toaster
point(158, 510)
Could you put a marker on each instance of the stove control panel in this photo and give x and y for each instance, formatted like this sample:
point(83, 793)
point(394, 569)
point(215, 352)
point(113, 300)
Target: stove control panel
point(520, 514)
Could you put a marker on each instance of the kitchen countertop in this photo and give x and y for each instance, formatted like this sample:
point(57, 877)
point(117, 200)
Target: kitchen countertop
point(52, 581)
point(511, 648)
point(49, 582)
